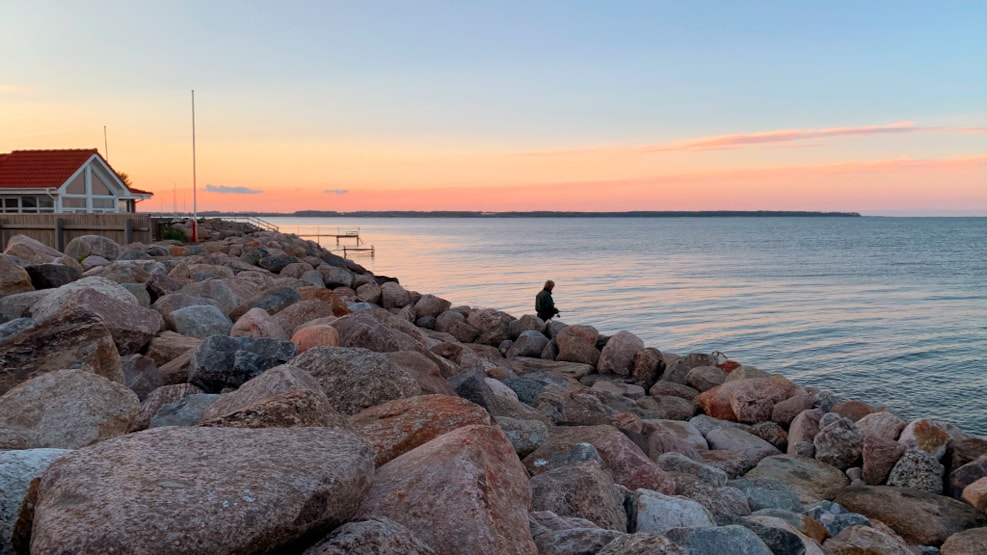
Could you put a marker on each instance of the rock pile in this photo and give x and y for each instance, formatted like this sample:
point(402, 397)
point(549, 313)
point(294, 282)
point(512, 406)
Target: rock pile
point(256, 393)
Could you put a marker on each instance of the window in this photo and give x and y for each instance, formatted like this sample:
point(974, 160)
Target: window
point(10, 205)
point(73, 202)
point(78, 185)
point(29, 204)
point(99, 188)
point(123, 206)
point(104, 203)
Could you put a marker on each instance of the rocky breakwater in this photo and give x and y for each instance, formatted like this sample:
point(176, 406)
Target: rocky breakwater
point(255, 393)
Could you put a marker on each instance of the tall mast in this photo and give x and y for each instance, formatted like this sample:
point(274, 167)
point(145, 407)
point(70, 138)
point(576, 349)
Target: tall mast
point(195, 207)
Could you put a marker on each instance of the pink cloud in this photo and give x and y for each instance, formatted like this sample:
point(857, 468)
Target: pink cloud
point(783, 136)
point(779, 137)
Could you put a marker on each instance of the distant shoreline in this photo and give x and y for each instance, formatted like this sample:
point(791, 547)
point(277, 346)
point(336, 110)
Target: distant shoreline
point(540, 214)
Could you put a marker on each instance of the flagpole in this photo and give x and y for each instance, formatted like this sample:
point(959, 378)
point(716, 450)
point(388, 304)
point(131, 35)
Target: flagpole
point(195, 207)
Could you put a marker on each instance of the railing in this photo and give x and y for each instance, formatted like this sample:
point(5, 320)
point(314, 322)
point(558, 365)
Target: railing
point(252, 220)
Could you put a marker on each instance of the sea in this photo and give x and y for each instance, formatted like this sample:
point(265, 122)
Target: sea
point(888, 311)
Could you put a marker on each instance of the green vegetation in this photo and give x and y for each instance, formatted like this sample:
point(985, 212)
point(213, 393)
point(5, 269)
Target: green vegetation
point(175, 234)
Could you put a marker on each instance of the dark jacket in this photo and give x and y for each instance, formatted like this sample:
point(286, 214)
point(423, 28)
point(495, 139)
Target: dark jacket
point(544, 305)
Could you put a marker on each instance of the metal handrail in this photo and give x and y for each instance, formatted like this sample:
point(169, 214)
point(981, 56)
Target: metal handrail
point(253, 220)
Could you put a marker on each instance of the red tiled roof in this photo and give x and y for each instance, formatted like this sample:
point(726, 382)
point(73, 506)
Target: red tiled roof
point(40, 168)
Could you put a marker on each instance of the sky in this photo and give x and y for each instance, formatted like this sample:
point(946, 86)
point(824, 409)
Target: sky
point(877, 107)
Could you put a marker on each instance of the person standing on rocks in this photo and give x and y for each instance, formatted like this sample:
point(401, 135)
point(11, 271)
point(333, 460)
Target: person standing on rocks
point(544, 305)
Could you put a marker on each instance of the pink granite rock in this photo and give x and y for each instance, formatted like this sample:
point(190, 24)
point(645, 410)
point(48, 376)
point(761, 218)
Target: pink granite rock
point(803, 429)
point(784, 412)
point(256, 322)
point(619, 354)
point(396, 427)
point(294, 316)
point(881, 424)
point(67, 409)
point(578, 344)
point(748, 400)
point(201, 490)
point(704, 378)
point(880, 455)
point(315, 336)
point(626, 462)
point(464, 492)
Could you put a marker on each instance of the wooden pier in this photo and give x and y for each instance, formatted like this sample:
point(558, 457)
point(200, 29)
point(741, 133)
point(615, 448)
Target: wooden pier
point(342, 234)
point(369, 249)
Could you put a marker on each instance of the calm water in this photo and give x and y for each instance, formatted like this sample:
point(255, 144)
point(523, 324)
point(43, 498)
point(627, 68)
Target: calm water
point(884, 310)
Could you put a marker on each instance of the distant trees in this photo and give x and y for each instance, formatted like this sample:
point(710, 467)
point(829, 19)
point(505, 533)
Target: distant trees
point(124, 177)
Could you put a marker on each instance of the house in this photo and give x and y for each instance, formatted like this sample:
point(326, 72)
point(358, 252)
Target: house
point(71, 180)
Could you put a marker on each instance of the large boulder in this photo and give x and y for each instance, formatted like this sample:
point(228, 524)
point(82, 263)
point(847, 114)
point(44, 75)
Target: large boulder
point(67, 409)
point(454, 323)
point(297, 481)
point(656, 513)
point(52, 304)
point(966, 542)
point(733, 539)
point(186, 411)
point(13, 277)
point(377, 330)
point(839, 444)
point(395, 427)
point(468, 479)
point(74, 340)
point(622, 458)
point(17, 469)
point(371, 536)
point(582, 490)
point(920, 517)
point(356, 379)
point(315, 336)
point(93, 245)
point(160, 397)
point(140, 374)
point(228, 294)
point(649, 364)
point(200, 321)
point(917, 469)
point(222, 361)
point(392, 295)
point(493, 325)
point(256, 322)
point(750, 400)
point(741, 441)
point(619, 354)
point(813, 480)
point(880, 455)
point(293, 317)
point(132, 326)
point(268, 384)
point(52, 276)
point(558, 535)
point(883, 424)
point(430, 305)
point(926, 435)
point(578, 344)
point(529, 343)
point(30, 250)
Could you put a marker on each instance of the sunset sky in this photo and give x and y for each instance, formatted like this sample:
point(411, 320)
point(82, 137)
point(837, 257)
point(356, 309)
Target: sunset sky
point(878, 107)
